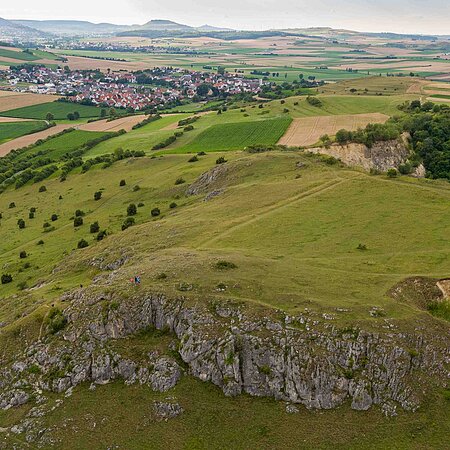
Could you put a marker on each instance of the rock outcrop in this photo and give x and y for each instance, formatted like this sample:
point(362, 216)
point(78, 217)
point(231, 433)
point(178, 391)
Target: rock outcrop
point(296, 359)
point(381, 156)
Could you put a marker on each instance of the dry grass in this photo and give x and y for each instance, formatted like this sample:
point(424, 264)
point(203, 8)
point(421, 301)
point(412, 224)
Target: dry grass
point(11, 100)
point(307, 131)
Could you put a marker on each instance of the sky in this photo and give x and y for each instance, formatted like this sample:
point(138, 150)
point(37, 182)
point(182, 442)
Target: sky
point(401, 16)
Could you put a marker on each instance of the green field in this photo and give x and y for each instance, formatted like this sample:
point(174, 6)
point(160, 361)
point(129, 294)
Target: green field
point(58, 109)
point(55, 147)
point(23, 56)
point(237, 136)
point(12, 130)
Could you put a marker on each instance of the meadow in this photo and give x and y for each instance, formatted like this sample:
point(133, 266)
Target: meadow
point(58, 109)
point(12, 130)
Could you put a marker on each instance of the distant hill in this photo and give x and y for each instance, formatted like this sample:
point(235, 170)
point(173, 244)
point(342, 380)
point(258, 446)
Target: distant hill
point(72, 27)
point(10, 30)
point(211, 28)
point(165, 25)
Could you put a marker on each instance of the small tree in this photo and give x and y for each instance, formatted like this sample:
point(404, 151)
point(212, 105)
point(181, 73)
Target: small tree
point(172, 205)
point(97, 195)
point(31, 215)
point(42, 189)
point(131, 210)
point(180, 180)
point(78, 221)
point(94, 228)
point(193, 159)
point(54, 217)
point(12, 205)
point(23, 254)
point(49, 117)
point(79, 213)
point(129, 221)
point(122, 183)
point(82, 243)
point(70, 116)
point(21, 223)
point(221, 160)
point(6, 278)
point(155, 212)
point(101, 235)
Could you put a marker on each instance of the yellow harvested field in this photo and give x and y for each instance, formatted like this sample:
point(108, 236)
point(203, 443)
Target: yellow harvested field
point(12, 100)
point(307, 130)
point(124, 123)
point(437, 99)
point(29, 139)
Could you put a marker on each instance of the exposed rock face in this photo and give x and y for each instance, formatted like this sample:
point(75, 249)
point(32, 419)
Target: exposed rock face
point(298, 360)
point(208, 180)
point(381, 156)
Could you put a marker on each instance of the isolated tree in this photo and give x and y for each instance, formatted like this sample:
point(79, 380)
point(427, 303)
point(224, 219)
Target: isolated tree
point(76, 115)
point(42, 189)
point(155, 212)
point(122, 183)
point(12, 205)
point(97, 195)
point(6, 278)
point(103, 112)
point(21, 223)
point(23, 254)
point(70, 116)
point(131, 210)
point(94, 228)
point(82, 243)
point(78, 221)
point(49, 117)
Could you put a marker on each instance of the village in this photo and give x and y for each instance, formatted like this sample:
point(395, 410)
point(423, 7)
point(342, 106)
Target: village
point(153, 88)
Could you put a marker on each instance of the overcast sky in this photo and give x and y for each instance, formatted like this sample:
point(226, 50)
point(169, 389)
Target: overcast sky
point(402, 16)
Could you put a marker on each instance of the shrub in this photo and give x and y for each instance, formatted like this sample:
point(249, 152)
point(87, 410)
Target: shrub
point(155, 212)
point(221, 160)
point(21, 223)
point(122, 183)
point(42, 189)
point(313, 101)
point(40, 242)
point(140, 205)
point(361, 247)
point(79, 213)
point(201, 154)
point(55, 320)
point(136, 188)
point(97, 195)
point(172, 205)
point(391, 173)
point(179, 181)
point(78, 221)
point(45, 225)
point(129, 221)
point(12, 205)
point(131, 210)
point(23, 254)
point(225, 265)
point(22, 285)
point(31, 215)
point(193, 159)
point(189, 128)
point(101, 235)
point(33, 209)
point(405, 168)
point(54, 217)
point(82, 243)
point(6, 278)
point(94, 227)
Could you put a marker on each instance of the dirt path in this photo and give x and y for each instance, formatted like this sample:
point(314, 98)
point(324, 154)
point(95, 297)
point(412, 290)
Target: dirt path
point(307, 130)
point(29, 139)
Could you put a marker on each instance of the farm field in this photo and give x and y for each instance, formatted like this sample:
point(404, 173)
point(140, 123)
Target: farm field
point(29, 139)
point(11, 99)
point(237, 136)
point(58, 146)
point(12, 130)
point(122, 123)
point(58, 109)
point(308, 130)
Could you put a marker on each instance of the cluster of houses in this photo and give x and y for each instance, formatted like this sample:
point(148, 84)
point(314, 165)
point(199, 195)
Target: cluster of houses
point(135, 90)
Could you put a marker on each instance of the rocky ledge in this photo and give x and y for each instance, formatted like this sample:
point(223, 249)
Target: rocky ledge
point(301, 359)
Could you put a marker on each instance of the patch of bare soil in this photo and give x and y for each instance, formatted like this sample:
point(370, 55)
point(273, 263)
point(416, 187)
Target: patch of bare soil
point(419, 291)
point(123, 123)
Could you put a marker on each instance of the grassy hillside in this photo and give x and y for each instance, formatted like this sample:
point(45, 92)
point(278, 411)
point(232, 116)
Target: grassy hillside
point(12, 130)
point(292, 232)
point(58, 109)
point(20, 55)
